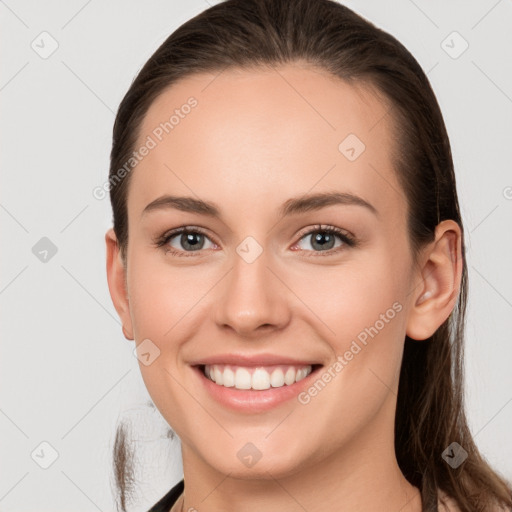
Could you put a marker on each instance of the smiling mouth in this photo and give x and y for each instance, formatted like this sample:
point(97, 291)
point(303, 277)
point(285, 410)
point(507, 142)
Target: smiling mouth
point(256, 377)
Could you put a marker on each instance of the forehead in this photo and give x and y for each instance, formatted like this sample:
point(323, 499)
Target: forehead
point(240, 137)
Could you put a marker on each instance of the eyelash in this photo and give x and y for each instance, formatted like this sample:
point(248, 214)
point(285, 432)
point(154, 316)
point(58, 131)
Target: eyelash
point(347, 240)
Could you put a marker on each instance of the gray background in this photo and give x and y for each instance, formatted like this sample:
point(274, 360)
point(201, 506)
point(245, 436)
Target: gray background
point(67, 373)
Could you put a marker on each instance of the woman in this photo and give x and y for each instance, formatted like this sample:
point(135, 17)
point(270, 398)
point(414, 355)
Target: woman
point(288, 254)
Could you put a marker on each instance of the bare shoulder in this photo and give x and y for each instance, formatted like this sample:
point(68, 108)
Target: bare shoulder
point(447, 504)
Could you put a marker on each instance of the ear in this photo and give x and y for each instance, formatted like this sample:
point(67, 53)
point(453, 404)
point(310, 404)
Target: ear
point(438, 282)
point(116, 277)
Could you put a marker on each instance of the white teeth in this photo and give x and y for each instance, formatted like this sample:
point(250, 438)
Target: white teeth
point(301, 374)
point(255, 378)
point(277, 378)
point(228, 379)
point(289, 376)
point(260, 379)
point(218, 375)
point(242, 379)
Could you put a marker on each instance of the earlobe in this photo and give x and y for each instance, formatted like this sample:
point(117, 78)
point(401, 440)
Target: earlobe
point(434, 298)
point(116, 277)
point(128, 336)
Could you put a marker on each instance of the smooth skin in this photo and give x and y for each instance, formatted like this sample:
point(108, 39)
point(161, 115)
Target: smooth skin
point(256, 139)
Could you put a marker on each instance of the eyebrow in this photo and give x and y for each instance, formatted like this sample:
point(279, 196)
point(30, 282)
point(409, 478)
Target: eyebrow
point(306, 203)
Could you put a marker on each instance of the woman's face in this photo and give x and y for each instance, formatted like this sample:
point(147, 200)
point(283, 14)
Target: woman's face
point(261, 284)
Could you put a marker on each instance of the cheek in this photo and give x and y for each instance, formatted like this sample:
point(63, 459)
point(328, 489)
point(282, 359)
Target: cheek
point(352, 295)
point(164, 304)
point(163, 296)
point(362, 306)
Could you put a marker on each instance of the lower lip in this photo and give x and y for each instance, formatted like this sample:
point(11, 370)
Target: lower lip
point(250, 400)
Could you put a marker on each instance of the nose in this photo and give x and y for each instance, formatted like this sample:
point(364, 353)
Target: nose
point(252, 299)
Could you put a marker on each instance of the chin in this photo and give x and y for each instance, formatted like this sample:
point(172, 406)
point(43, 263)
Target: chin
point(248, 463)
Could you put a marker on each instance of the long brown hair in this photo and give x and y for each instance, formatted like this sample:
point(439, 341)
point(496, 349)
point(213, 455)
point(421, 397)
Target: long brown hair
point(240, 34)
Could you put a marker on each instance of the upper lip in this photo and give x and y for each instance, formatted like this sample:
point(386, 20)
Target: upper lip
point(252, 360)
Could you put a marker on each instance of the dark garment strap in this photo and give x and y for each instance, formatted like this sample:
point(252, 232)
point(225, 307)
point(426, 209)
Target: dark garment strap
point(167, 501)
